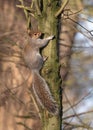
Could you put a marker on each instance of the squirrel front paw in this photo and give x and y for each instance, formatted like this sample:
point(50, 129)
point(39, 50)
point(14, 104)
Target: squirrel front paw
point(50, 38)
point(45, 58)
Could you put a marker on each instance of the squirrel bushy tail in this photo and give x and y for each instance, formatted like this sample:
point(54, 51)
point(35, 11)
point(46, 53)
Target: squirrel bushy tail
point(43, 94)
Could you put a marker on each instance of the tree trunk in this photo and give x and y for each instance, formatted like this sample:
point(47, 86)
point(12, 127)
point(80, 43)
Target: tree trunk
point(48, 24)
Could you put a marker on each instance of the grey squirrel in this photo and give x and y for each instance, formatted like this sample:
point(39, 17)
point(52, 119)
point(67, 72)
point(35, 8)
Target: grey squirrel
point(34, 61)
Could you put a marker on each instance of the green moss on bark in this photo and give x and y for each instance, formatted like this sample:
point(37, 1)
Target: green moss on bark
point(48, 24)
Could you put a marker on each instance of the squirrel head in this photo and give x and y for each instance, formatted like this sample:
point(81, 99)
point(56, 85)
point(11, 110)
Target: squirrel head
point(34, 34)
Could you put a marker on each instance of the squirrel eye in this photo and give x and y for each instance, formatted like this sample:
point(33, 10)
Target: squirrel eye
point(35, 34)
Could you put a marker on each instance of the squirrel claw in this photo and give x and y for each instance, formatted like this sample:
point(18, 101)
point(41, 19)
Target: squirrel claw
point(45, 58)
point(51, 37)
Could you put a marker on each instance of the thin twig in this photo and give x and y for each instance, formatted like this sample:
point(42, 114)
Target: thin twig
point(7, 33)
point(79, 114)
point(74, 110)
point(62, 8)
point(37, 7)
point(24, 7)
point(78, 102)
point(36, 106)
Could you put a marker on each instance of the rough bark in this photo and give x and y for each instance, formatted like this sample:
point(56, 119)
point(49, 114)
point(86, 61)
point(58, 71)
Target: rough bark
point(49, 26)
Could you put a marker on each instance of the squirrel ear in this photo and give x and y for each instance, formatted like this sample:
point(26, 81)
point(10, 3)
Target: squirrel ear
point(29, 32)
